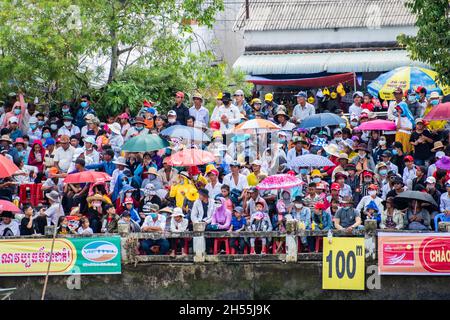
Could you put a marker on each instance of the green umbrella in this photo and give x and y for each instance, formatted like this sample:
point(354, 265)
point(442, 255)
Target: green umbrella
point(145, 142)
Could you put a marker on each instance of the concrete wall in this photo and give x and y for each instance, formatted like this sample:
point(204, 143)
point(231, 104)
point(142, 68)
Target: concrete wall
point(334, 38)
point(223, 281)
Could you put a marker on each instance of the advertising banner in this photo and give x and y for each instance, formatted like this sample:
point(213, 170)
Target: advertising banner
point(414, 253)
point(30, 257)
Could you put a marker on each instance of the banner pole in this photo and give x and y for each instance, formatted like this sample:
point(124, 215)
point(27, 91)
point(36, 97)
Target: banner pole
point(49, 264)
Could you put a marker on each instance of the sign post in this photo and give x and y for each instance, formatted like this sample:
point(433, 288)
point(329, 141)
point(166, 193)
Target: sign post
point(343, 264)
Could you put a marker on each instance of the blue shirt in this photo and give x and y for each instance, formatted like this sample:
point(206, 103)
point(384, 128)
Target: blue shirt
point(238, 224)
point(107, 167)
point(79, 119)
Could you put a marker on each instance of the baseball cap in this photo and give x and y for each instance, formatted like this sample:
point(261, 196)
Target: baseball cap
point(335, 186)
point(268, 97)
point(358, 93)
point(238, 93)
point(13, 120)
point(239, 209)
point(431, 180)
point(301, 94)
point(440, 154)
point(171, 113)
point(180, 94)
point(257, 163)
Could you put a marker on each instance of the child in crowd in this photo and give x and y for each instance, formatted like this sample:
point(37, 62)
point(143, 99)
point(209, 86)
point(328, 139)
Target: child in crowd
point(259, 221)
point(238, 223)
point(84, 228)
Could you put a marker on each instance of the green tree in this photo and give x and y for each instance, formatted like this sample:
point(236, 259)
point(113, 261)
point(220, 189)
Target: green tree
point(432, 42)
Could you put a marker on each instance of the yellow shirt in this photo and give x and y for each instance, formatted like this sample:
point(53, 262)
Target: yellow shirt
point(252, 180)
point(180, 191)
point(434, 125)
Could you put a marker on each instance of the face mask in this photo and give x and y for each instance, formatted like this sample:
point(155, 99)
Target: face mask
point(338, 139)
point(46, 135)
point(382, 142)
point(304, 171)
point(16, 111)
point(33, 126)
point(66, 110)
point(316, 180)
point(342, 125)
point(54, 127)
point(125, 182)
point(298, 206)
point(41, 123)
point(84, 104)
point(354, 123)
point(394, 152)
point(282, 141)
point(434, 102)
point(372, 192)
point(67, 123)
point(64, 225)
point(154, 215)
point(139, 128)
point(412, 99)
point(362, 154)
point(383, 172)
point(128, 194)
point(171, 120)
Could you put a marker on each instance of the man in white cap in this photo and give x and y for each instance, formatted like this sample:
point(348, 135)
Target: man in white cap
point(116, 138)
point(240, 103)
point(172, 118)
point(355, 108)
point(121, 164)
point(178, 223)
point(90, 154)
point(432, 168)
point(55, 210)
point(14, 127)
point(302, 109)
point(68, 129)
point(34, 132)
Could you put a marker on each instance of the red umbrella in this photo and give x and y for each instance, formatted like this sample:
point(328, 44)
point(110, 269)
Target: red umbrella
point(8, 206)
point(190, 157)
point(87, 177)
point(7, 167)
point(440, 112)
point(377, 125)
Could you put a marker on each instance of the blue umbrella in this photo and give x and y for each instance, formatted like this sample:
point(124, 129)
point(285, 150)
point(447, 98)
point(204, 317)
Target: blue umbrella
point(187, 133)
point(240, 138)
point(321, 120)
point(311, 160)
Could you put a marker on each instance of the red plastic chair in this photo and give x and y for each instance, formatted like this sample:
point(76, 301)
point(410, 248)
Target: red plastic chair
point(274, 248)
point(319, 240)
point(39, 194)
point(233, 250)
point(27, 193)
point(217, 244)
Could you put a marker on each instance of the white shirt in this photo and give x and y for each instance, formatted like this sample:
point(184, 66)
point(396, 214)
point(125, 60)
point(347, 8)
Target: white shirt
point(292, 154)
point(64, 157)
point(233, 115)
point(392, 167)
point(68, 132)
point(214, 191)
point(116, 142)
point(391, 109)
point(92, 158)
point(240, 185)
point(408, 176)
point(365, 202)
point(53, 213)
point(86, 231)
point(354, 109)
point(13, 226)
point(160, 222)
point(287, 128)
point(132, 132)
point(301, 113)
point(178, 226)
point(50, 184)
point(201, 114)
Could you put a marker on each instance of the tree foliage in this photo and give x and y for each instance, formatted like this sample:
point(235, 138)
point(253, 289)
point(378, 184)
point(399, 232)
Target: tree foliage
point(432, 42)
point(46, 46)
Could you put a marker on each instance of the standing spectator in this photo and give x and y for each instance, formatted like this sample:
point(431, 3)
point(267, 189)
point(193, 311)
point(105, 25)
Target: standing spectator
point(398, 95)
point(179, 107)
point(422, 142)
point(355, 109)
point(198, 111)
point(302, 109)
point(227, 114)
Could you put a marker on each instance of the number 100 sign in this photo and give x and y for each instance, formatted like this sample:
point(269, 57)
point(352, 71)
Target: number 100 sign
point(343, 264)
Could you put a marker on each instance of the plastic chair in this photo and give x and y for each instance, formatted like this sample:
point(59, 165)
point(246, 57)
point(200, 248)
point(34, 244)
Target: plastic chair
point(318, 241)
point(27, 193)
point(441, 217)
point(283, 247)
point(217, 244)
point(39, 194)
point(233, 250)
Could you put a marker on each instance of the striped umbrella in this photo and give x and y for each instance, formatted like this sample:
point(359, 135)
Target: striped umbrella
point(311, 160)
point(279, 181)
point(407, 78)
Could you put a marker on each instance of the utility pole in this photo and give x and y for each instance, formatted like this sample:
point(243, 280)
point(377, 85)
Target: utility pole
point(247, 9)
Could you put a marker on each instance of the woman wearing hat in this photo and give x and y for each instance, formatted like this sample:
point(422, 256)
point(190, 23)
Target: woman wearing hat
point(55, 210)
point(433, 101)
point(363, 161)
point(178, 223)
point(95, 211)
point(391, 218)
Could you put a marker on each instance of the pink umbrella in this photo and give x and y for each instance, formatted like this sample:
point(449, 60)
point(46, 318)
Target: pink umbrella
point(279, 181)
point(377, 125)
point(443, 163)
point(440, 112)
point(190, 157)
point(8, 206)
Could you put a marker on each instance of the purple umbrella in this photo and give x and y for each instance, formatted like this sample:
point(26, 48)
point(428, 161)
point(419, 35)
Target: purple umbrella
point(443, 163)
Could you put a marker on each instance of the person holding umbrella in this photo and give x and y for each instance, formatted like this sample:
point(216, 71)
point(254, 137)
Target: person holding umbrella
point(418, 217)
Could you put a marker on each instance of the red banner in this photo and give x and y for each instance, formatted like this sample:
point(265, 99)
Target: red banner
point(414, 253)
point(331, 80)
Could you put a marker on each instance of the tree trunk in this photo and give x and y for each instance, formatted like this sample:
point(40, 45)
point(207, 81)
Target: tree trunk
point(114, 62)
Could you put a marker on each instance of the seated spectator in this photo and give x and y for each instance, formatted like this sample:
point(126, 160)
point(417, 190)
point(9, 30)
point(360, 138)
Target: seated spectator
point(110, 220)
point(155, 222)
point(259, 221)
point(392, 218)
point(125, 218)
point(221, 218)
point(238, 223)
point(347, 218)
point(63, 226)
point(418, 217)
point(178, 224)
point(9, 227)
point(84, 228)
